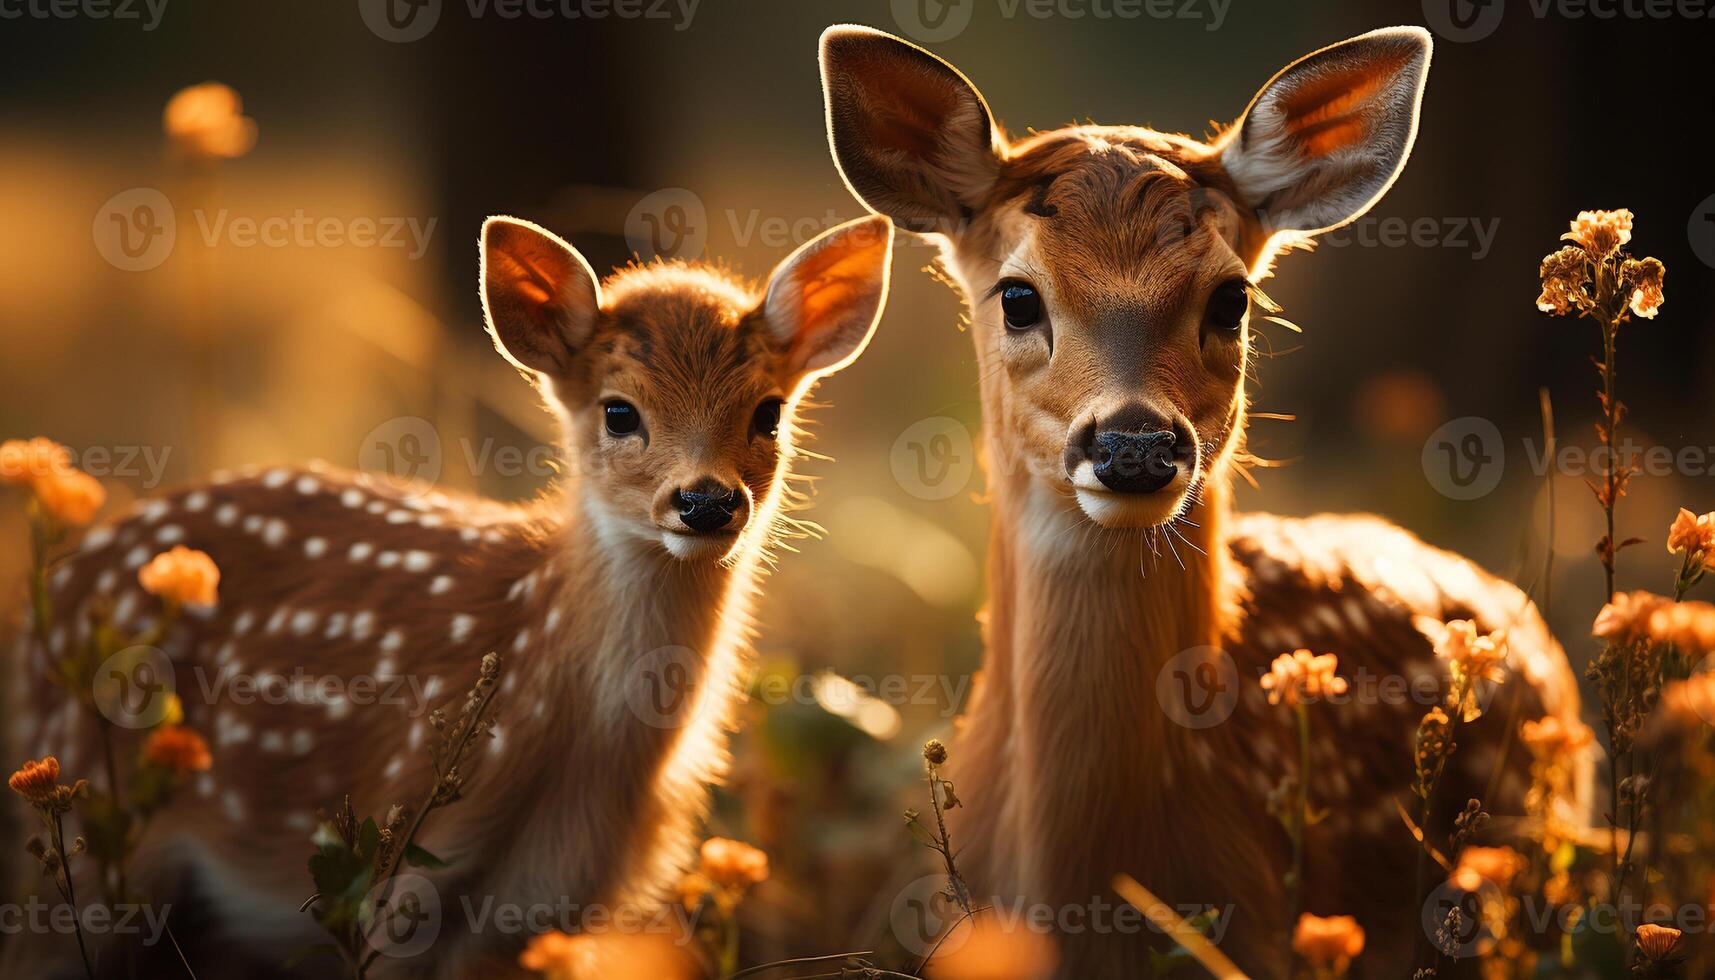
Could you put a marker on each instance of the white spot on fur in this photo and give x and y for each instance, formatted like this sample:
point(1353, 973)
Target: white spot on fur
point(303, 741)
point(520, 641)
point(377, 506)
point(361, 551)
point(252, 523)
point(351, 497)
point(170, 534)
point(315, 547)
point(154, 510)
point(97, 538)
point(277, 621)
point(307, 485)
point(303, 621)
point(362, 625)
point(106, 581)
point(418, 561)
point(336, 625)
point(441, 585)
point(272, 742)
point(275, 533)
point(393, 641)
point(242, 622)
point(400, 517)
point(387, 559)
point(195, 502)
point(463, 623)
point(137, 556)
point(276, 478)
point(233, 805)
point(394, 765)
point(226, 515)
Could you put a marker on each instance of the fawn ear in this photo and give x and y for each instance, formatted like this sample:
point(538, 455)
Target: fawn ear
point(1326, 137)
point(539, 296)
point(911, 136)
point(825, 299)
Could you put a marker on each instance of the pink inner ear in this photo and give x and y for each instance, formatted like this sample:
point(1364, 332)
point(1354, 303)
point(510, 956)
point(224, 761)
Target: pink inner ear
point(1334, 110)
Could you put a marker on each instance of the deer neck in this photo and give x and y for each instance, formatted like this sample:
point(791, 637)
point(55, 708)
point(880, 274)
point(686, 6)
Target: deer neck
point(633, 681)
point(1083, 623)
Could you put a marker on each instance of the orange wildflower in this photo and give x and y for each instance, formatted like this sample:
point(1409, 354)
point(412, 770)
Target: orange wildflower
point(1691, 534)
point(1601, 233)
point(1498, 865)
point(182, 575)
point(995, 951)
point(1637, 616)
point(23, 460)
point(1550, 738)
point(35, 780)
point(1659, 942)
point(606, 956)
point(70, 497)
point(733, 864)
point(178, 748)
point(1328, 942)
point(208, 121)
point(1301, 676)
point(1643, 278)
point(1564, 274)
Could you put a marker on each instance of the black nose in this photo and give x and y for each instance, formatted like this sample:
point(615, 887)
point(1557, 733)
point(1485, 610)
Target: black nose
point(1134, 462)
point(705, 510)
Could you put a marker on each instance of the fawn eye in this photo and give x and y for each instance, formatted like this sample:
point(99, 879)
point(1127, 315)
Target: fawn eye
point(622, 418)
point(1021, 304)
point(1228, 304)
point(766, 421)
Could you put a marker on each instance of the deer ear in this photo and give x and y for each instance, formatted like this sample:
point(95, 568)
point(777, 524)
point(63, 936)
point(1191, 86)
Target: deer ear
point(539, 297)
point(825, 299)
point(1326, 137)
point(911, 136)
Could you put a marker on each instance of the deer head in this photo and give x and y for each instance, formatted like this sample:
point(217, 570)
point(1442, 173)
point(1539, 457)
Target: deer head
point(675, 385)
point(1110, 270)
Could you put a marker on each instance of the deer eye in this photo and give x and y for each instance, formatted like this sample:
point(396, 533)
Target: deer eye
point(621, 417)
point(1021, 304)
point(766, 421)
point(1228, 304)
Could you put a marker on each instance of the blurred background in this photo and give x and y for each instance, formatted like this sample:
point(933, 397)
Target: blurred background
point(148, 313)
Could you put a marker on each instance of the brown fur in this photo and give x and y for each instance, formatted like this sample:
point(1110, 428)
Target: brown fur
point(586, 798)
point(1069, 764)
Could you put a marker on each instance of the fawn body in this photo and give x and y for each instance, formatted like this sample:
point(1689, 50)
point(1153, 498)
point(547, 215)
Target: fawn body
point(1109, 272)
point(676, 387)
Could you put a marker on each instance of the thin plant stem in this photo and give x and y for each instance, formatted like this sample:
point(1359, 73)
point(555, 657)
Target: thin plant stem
point(1300, 820)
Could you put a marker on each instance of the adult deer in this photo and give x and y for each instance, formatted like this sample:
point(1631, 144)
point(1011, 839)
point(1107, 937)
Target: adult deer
point(619, 603)
point(1109, 271)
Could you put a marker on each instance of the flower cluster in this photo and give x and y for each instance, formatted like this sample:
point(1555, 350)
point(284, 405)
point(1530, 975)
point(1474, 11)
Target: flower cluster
point(1301, 677)
point(183, 576)
point(177, 749)
point(1328, 943)
point(1593, 275)
point(207, 122)
point(1644, 617)
point(1471, 657)
point(68, 495)
point(607, 956)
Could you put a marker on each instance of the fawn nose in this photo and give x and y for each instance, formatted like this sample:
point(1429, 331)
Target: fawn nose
point(1133, 450)
point(1135, 462)
point(709, 506)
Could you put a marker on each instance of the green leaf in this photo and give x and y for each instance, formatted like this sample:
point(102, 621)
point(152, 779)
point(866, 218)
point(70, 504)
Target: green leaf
point(421, 858)
point(368, 838)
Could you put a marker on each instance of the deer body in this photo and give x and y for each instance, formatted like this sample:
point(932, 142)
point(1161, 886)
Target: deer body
point(351, 606)
point(1118, 725)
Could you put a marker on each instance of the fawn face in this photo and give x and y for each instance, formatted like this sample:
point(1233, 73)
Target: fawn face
point(1110, 269)
point(676, 386)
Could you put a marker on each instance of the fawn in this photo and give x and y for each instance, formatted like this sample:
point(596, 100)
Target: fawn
point(677, 389)
point(1110, 271)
